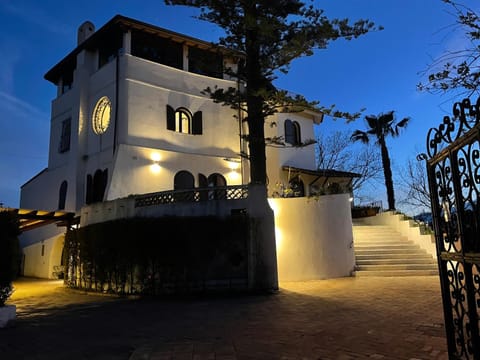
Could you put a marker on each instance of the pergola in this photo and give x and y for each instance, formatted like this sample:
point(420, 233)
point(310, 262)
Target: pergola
point(32, 219)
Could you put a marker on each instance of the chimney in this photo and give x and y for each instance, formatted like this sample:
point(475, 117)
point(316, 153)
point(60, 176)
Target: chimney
point(84, 31)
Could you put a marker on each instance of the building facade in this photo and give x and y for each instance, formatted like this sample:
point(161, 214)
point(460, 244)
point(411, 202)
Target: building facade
point(130, 118)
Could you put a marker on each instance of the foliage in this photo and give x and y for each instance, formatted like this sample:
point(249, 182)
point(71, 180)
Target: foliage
point(5, 292)
point(414, 182)
point(380, 127)
point(268, 36)
point(157, 255)
point(336, 152)
point(457, 68)
point(364, 211)
point(9, 253)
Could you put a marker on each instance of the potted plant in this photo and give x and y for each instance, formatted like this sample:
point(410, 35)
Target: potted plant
point(9, 260)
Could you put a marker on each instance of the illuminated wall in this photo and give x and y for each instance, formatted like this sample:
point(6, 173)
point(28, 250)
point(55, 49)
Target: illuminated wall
point(41, 258)
point(314, 237)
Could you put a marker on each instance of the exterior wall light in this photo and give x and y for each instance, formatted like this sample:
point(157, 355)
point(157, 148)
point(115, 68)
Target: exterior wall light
point(155, 167)
point(233, 164)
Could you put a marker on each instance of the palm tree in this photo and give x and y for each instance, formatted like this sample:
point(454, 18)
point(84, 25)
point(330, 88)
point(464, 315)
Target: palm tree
point(380, 127)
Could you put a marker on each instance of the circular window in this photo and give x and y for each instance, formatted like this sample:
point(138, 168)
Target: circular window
point(101, 115)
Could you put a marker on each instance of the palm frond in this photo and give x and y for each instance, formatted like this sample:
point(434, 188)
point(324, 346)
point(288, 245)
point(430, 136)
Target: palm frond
point(372, 122)
point(359, 135)
point(401, 125)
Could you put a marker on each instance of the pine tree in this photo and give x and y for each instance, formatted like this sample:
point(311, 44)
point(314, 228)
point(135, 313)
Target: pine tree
point(270, 35)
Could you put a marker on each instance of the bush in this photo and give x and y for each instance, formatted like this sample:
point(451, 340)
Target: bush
point(157, 255)
point(9, 253)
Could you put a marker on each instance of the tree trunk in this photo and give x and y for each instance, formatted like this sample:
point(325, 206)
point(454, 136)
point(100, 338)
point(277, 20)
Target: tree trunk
point(387, 173)
point(256, 83)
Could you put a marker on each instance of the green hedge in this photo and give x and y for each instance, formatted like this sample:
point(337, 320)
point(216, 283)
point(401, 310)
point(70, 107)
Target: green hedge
point(9, 253)
point(157, 255)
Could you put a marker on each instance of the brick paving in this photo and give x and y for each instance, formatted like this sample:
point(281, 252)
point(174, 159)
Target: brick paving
point(339, 319)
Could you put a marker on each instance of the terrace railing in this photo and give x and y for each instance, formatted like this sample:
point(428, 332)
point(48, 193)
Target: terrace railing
point(234, 192)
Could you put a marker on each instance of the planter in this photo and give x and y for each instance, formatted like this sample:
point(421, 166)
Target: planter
point(359, 212)
point(8, 313)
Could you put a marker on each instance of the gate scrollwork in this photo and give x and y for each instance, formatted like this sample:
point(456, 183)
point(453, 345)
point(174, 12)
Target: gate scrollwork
point(453, 168)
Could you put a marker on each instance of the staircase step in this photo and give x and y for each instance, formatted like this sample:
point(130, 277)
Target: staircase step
point(382, 251)
point(385, 239)
point(388, 246)
point(393, 256)
point(420, 261)
point(405, 252)
point(398, 273)
point(398, 267)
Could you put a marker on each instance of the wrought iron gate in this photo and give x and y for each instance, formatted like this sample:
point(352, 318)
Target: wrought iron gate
point(453, 167)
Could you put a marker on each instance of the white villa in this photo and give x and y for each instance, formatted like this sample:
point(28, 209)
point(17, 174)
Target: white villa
point(130, 119)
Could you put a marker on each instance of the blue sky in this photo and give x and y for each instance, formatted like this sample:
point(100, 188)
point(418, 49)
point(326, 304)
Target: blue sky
point(378, 71)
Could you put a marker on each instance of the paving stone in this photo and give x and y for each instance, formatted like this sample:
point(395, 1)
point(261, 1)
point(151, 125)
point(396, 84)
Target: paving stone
point(338, 319)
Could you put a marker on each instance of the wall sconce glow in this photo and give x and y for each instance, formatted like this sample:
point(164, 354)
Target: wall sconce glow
point(274, 207)
point(155, 167)
point(233, 175)
point(155, 157)
point(278, 238)
point(233, 164)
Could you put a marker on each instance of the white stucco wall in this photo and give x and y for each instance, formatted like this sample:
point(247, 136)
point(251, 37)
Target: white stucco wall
point(314, 237)
point(149, 87)
point(125, 208)
point(133, 171)
point(43, 266)
point(300, 157)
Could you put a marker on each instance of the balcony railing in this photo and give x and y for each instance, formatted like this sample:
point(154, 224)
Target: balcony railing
point(234, 192)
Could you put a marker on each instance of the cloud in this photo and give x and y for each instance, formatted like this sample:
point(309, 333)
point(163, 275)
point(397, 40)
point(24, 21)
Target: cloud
point(36, 16)
point(10, 104)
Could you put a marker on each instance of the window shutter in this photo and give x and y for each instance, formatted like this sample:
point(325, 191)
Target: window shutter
point(62, 197)
point(89, 194)
point(197, 123)
point(170, 118)
point(203, 183)
point(289, 132)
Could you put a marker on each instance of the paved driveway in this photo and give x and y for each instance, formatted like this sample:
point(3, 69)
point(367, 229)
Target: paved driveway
point(348, 318)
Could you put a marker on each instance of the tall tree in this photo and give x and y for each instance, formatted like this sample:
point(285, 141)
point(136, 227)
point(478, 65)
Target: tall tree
point(457, 69)
point(270, 35)
point(380, 127)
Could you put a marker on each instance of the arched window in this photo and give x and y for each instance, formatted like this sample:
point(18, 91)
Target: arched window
point(217, 180)
point(203, 183)
point(99, 185)
point(292, 132)
point(182, 121)
point(183, 180)
point(62, 195)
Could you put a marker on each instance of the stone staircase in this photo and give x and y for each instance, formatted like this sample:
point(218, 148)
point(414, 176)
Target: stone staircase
point(382, 251)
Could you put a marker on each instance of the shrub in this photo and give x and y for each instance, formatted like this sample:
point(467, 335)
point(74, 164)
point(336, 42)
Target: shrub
point(157, 255)
point(9, 253)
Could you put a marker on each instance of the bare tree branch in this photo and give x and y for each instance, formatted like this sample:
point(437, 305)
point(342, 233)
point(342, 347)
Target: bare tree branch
point(337, 152)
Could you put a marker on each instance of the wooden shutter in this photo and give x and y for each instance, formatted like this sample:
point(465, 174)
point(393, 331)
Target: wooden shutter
point(197, 123)
point(170, 118)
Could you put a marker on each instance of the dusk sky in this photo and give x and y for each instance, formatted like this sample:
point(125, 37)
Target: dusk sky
point(378, 71)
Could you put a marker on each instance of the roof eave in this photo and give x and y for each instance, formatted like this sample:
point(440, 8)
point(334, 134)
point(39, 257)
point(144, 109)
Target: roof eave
point(128, 23)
